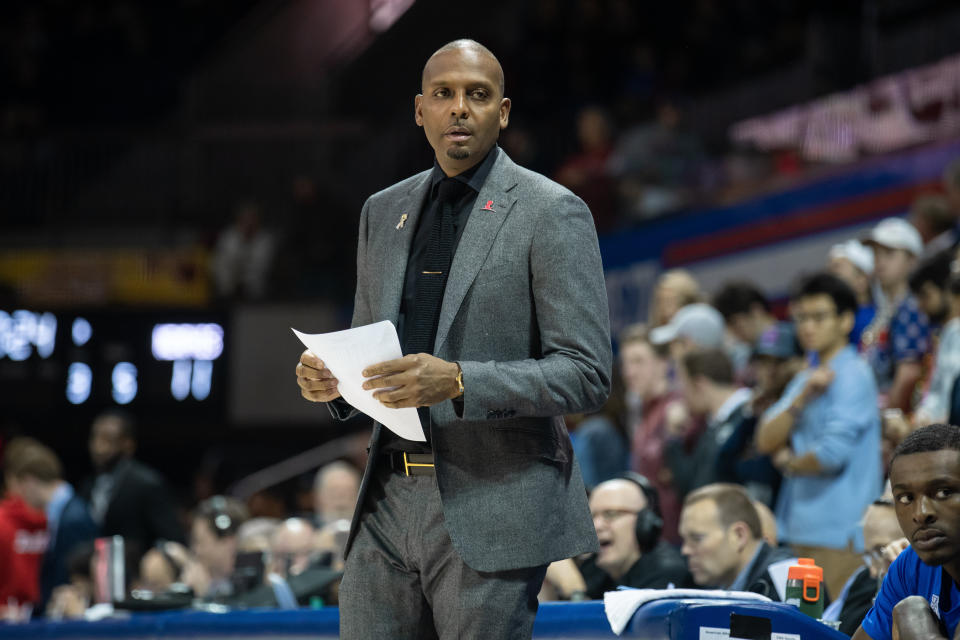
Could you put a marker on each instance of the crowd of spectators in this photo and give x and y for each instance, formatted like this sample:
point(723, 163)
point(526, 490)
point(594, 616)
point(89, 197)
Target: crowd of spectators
point(728, 410)
point(56, 542)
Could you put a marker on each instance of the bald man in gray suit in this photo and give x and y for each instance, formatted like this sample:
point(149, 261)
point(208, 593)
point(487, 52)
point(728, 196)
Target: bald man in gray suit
point(492, 275)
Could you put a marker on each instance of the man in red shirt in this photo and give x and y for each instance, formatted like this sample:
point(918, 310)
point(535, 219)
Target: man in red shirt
point(23, 532)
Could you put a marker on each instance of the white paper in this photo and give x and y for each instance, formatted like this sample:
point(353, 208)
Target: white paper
point(778, 573)
point(622, 604)
point(347, 353)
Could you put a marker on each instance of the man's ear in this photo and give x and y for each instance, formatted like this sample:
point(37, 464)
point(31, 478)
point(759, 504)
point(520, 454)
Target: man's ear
point(418, 109)
point(742, 533)
point(847, 320)
point(505, 105)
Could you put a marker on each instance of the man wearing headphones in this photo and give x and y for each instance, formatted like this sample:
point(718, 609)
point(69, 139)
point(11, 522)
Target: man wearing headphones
point(626, 515)
point(210, 568)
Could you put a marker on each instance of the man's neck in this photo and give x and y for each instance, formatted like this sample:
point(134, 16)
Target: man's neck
point(624, 569)
point(894, 292)
point(47, 491)
point(831, 352)
point(746, 557)
point(717, 397)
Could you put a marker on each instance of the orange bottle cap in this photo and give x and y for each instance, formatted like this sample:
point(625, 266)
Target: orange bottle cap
point(810, 574)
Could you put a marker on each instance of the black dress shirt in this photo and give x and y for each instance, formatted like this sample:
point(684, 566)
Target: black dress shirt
point(474, 177)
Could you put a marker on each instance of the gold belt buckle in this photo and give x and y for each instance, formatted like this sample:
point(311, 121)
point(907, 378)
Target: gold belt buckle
point(407, 464)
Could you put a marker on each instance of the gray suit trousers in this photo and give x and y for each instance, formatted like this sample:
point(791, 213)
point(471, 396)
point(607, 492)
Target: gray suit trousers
point(403, 578)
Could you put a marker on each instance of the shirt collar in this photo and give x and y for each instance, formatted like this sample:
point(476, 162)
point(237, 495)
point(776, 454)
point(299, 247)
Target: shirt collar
point(741, 582)
point(844, 354)
point(474, 177)
point(731, 404)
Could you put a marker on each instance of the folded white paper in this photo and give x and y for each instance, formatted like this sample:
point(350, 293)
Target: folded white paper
point(347, 353)
point(622, 604)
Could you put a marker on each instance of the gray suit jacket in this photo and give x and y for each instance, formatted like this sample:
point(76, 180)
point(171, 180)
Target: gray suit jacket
point(525, 314)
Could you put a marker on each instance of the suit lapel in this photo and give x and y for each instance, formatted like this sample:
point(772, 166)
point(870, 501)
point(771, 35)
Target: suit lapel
point(477, 239)
point(397, 252)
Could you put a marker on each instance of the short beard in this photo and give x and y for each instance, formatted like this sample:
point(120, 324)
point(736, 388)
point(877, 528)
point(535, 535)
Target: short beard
point(458, 153)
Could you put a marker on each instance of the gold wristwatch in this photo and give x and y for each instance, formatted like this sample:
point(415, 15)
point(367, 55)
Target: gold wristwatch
point(459, 378)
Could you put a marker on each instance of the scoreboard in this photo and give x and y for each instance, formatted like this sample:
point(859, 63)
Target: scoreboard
point(53, 361)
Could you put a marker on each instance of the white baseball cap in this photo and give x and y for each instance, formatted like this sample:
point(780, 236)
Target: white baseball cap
point(700, 322)
point(854, 251)
point(896, 233)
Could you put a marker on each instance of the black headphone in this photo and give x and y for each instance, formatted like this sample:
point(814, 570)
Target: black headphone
point(218, 512)
point(649, 520)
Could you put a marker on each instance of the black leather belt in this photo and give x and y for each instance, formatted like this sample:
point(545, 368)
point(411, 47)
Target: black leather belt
point(412, 464)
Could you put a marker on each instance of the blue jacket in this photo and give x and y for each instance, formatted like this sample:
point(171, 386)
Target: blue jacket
point(74, 526)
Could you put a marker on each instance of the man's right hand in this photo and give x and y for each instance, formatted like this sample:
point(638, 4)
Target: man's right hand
point(316, 382)
point(820, 378)
point(913, 620)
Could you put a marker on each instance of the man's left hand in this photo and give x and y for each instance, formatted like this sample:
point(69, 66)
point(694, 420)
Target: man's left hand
point(416, 380)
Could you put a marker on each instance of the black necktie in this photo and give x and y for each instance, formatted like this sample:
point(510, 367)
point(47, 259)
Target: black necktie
point(432, 281)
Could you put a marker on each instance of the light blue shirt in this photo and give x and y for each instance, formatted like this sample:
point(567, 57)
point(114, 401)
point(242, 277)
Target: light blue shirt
point(842, 428)
point(58, 502)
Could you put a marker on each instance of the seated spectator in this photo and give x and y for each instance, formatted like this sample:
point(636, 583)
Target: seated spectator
point(631, 371)
point(243, 256)
point(331, 540)
point(646, 371)
point(708, 387)
point(70, 601)
point(928, 284)
point(213, 547)
point(674, 290)
point(658, 164)
point(291, 552)
point(23, 532)
point(600, 439)
point(852, 262)
point(161, 566)
point(585, 173)
point(69, 524)
point(297, 574)
point(824, 435)
point(292, 547)
point(776, 359)
point(935, 405)
point(898, 338)
point(925, 478)
point(255, 534)
point(724, 546)
point(745, 311)
point(335, 490)
point(935, 220)
point(695, 326)
point(625, 513)
point(880, 528)
point(126, 497)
